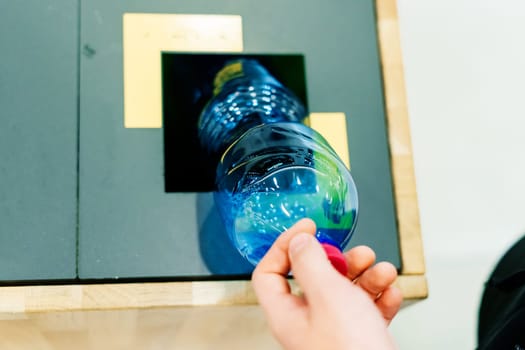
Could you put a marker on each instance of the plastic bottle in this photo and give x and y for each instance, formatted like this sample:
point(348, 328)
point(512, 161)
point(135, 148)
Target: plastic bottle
point(245, 95)
point(274, 170)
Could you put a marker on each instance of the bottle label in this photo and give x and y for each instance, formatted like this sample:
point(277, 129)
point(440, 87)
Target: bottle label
point(228, 72)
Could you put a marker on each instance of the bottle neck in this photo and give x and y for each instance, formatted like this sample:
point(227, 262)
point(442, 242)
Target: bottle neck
point(245, 71)
point(245, 95)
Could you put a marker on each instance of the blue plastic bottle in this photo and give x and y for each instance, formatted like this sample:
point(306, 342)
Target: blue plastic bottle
point(274, 170)
point(245, 95)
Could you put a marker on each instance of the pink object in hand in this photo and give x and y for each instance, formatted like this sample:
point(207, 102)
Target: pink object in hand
point(336, 257)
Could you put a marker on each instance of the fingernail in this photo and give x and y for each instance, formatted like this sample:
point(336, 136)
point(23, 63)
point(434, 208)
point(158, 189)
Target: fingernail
point(299, 242)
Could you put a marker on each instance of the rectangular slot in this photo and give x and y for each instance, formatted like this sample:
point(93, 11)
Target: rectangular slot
point(187, 85)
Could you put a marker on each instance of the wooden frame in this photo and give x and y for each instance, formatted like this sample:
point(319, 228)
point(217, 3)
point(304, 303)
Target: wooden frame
point(412, 281)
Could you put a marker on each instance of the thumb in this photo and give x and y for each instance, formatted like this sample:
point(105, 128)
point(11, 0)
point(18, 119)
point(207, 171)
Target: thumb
point(310, 266)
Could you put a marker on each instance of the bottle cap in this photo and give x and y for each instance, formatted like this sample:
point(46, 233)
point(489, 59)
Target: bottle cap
point(336, 257)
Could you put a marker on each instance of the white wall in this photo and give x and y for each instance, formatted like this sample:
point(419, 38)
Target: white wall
point(465, 79)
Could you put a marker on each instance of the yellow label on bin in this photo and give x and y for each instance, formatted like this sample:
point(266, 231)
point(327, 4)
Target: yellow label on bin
point(146, 35)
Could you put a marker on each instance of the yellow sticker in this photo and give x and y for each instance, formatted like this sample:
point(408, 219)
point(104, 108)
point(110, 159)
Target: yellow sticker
point(146, 35)
point(332, 126)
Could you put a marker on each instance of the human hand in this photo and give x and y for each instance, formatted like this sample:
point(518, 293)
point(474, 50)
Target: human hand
point(333, 311)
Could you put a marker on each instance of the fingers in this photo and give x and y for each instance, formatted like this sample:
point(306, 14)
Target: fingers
point(377, 282)
point(359, 259)
point(269, 277)
point(377, 278)
point(389, 302)
point(374, 279)
point(311, 268)
point(298, 250)
point(276, 259)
